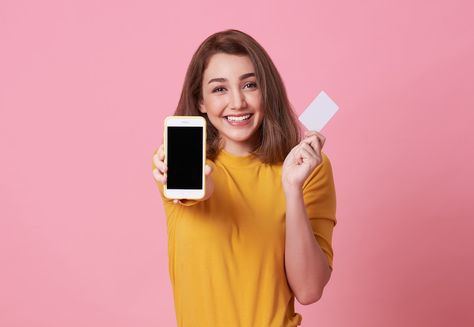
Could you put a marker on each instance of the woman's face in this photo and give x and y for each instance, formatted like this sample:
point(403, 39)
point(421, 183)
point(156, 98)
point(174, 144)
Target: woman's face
point(233, 101)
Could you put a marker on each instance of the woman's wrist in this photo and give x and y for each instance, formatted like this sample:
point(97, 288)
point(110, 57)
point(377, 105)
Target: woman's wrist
point(292, 190)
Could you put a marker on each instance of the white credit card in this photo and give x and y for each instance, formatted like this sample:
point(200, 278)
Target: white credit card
point(319, 112)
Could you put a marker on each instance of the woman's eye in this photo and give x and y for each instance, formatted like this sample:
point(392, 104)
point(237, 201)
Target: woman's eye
point(217, 89)
point(220, 89)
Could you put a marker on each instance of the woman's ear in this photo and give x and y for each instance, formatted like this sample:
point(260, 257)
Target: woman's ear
point(202, 108)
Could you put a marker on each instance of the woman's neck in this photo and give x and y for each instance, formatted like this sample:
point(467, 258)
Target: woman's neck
point(237, 149)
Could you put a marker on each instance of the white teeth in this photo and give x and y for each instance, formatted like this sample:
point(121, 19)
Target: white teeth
point(238, 118)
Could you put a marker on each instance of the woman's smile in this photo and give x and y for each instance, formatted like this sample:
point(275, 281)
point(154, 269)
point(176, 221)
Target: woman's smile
point(238, 120)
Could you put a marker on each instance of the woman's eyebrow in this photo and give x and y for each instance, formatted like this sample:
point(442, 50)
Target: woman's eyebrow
point(221, 79)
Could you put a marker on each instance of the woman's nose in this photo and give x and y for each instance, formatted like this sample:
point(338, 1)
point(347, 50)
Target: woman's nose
point(237, 100)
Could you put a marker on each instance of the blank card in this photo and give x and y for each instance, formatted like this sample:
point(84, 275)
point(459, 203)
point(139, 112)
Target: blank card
point(319, 112)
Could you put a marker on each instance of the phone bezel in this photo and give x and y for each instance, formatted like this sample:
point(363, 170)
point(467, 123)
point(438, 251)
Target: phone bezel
point(186, 121)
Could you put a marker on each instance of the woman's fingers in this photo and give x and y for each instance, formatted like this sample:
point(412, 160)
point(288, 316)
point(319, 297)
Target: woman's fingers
point(317, 134)
point(310, 133)
point(162, 167)
point(311, 151)
point(159, 177)
point(159, 173)
point(161, 152)
point(304, 152)
point(208, 170)
point(315, 139)
point(158, 160)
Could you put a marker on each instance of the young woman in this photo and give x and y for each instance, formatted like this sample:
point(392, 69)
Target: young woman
point(262, 235)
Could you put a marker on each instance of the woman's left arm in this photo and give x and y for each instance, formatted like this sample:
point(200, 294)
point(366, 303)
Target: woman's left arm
point(306, 264)
point(307, 268)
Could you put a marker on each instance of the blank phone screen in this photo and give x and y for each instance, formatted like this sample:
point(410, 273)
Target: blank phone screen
point(185, 157)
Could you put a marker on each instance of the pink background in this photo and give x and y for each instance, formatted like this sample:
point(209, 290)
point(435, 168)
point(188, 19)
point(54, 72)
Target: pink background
point(85, 85)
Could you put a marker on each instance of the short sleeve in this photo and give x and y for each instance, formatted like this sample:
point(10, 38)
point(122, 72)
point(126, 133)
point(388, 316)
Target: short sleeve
point(320, 201)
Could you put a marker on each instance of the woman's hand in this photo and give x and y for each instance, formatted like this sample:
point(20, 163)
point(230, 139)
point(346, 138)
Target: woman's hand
point(159, 174)
point(301, 161)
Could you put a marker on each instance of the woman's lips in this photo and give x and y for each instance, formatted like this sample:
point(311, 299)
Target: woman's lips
point(238, 120)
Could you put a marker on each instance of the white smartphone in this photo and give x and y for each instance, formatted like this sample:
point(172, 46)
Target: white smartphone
point(185, 156)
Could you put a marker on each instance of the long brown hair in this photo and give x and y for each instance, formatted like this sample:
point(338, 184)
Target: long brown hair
point(279, 131)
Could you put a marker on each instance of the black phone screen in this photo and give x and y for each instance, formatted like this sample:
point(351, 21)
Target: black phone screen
point(185, 146)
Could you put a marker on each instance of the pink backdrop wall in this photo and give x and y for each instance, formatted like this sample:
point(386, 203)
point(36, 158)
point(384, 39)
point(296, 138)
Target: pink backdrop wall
point(85, 85)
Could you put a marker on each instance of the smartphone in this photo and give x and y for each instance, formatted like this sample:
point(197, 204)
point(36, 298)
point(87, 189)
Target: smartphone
point(185, 156)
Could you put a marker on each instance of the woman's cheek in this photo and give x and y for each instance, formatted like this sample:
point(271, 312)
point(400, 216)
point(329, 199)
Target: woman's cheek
point(220, 102)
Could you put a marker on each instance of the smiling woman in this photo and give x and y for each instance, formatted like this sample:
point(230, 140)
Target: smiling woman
point(262, 235)
point(209, 78)
point(233, 103)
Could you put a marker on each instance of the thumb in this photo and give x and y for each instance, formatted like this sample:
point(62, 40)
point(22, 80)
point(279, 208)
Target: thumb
point(208, 170)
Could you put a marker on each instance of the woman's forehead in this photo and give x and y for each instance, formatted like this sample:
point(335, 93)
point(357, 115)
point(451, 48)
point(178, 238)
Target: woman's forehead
point(223, 65)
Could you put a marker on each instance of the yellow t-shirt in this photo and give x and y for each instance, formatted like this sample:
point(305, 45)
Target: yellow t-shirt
point(226, 254)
